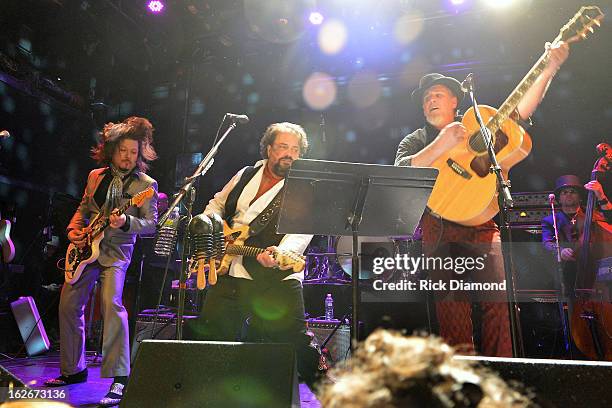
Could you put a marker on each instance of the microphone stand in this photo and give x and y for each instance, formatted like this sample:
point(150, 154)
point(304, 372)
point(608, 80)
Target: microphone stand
point(187, 192)
point(504, 199)
point(560, 282)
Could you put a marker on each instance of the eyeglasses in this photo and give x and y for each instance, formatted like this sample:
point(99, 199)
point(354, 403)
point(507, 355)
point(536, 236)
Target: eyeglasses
point(569, 191)
point(283, 147)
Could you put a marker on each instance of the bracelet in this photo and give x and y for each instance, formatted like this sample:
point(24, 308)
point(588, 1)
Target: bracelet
point(602, 202)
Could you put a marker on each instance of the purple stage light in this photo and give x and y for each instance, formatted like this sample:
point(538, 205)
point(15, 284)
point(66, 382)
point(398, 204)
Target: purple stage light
point(316, 18)
point(457, 2)
point(155, 6)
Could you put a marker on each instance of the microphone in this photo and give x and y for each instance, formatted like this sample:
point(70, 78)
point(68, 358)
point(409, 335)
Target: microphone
point(200, 230)
point(468, 83)
point(5, 134)
point(323, 140)
point(551, 200)
point(167, 235)
point(242, 119)
point(218, 250)
point(217, 236)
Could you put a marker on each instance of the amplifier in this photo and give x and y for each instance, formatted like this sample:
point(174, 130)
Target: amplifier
point(339, 345)
point(531, 199)
point(527, 216)
point(165, 329)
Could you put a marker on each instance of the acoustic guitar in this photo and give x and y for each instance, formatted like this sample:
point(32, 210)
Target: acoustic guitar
point(466, 189)
point(78, 258)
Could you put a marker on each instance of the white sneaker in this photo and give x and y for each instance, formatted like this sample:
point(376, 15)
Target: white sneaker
point(113, 397)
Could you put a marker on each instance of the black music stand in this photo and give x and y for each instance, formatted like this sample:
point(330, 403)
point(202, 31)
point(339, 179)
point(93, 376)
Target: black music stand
point(337, 198)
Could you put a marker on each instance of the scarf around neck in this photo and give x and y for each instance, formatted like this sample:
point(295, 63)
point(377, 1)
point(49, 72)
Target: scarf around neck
point(115, 189)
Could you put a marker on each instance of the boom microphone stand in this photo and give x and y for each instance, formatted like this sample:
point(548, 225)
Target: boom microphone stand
point(505, 202)
point(562, 296)
point(188, 187)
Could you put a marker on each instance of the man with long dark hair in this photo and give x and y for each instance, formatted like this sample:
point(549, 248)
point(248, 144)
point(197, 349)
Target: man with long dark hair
point(124, 150)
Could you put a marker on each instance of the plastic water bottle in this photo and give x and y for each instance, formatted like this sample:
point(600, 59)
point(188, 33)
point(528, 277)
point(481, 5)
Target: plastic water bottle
point(329, 307)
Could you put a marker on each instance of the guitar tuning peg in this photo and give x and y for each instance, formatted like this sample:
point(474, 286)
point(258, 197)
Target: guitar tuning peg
point(597, 22)
point(591, 29)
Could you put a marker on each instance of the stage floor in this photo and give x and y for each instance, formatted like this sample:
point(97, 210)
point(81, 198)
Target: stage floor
point(33, 372)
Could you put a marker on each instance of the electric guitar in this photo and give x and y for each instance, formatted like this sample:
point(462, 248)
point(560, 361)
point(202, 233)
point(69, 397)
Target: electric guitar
point(78, 258)
point(466, 189)
point(234, 246)
point(8, 248)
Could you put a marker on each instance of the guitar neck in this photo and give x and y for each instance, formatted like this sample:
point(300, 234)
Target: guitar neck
point(515, 97)
point(105, 222)
point(477, 142)
point(243, 250)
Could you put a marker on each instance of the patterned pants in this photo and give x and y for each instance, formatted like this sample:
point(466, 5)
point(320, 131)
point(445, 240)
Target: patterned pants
point(445, 239)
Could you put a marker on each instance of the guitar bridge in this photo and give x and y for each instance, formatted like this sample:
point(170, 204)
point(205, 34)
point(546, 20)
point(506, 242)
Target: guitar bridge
point(458, 169)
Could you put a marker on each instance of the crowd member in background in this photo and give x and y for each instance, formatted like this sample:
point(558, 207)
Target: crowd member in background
point(393, 370)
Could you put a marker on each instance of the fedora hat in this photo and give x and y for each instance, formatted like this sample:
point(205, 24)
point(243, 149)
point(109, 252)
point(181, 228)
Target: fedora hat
point(568, 180)
point(429, 80)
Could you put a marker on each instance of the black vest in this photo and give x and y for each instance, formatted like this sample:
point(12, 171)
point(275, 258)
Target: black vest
point(265, 238)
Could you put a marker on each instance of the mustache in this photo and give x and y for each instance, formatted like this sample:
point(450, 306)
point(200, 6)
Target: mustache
point(286, 157)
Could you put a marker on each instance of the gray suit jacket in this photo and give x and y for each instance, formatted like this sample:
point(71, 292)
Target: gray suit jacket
point(117, 246)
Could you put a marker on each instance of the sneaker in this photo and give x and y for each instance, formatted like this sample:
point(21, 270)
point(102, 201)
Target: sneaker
point(113, 397)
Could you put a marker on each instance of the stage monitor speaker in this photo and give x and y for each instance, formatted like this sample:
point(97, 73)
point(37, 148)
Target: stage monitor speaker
point(8, 380)
point(30, 326)
point(165, 329)
point(562, 383)
point(211, 374)
point(339, 345)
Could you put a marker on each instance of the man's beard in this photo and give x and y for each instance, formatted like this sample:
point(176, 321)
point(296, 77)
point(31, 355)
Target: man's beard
point(436, 120)
point(281, 170)
point(127, 166)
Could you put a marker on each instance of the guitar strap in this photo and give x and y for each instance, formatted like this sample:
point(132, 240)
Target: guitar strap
point(268, 214)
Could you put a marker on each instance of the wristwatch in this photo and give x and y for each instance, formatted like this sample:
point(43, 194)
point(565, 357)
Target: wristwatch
point(602, 202)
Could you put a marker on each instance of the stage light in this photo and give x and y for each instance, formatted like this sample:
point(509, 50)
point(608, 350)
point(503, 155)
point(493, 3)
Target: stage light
point(319, 91)
point(408, 27)
point(332, 37)
point(498, 3)
point(364, 89)
point(315, 18)
point(155, 6)
point(457, 2)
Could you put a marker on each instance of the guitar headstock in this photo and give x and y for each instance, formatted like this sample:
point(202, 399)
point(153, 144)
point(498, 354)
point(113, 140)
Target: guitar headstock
point(288, 259)
point(581, 25)
point(139, 198)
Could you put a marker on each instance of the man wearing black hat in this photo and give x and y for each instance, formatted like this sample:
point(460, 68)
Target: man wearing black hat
point(568, 191)
point(439, 97)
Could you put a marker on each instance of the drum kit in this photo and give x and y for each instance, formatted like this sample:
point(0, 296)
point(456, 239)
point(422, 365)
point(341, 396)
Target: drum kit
point(328, 258)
